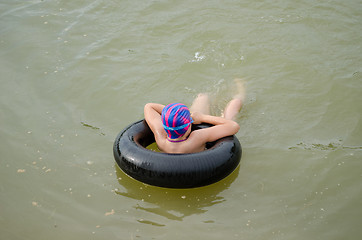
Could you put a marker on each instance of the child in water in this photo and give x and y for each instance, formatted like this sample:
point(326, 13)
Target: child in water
point(171, 124)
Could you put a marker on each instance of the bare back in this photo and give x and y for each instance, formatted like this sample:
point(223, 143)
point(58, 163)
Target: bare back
point(196, 141)
point(192, 144)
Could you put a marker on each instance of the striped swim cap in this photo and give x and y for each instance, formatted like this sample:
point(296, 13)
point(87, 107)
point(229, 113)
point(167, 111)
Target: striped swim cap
point(176, 120)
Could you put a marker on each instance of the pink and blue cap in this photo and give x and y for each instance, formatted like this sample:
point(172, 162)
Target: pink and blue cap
point(176, 120)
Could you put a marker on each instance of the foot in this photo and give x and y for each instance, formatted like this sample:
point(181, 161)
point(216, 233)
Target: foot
point(234, 106)
point(240, 88)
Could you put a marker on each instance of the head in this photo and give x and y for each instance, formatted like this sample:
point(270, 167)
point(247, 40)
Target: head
point(176, 120)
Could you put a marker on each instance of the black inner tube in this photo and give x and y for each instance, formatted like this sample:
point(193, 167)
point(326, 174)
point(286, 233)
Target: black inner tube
point(174, 170)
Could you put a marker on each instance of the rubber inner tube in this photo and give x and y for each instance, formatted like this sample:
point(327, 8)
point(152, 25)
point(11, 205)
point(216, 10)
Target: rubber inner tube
point(174, 170)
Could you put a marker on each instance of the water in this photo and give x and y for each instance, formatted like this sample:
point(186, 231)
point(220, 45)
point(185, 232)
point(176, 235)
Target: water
point(74, 73)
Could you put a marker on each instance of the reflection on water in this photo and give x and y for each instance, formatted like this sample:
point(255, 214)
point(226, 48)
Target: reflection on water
point(173, 204)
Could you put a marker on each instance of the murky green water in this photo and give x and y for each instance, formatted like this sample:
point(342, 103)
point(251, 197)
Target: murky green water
point(74, 73)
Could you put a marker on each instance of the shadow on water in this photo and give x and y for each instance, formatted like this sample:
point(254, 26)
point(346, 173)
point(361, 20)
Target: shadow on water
point(173, 204)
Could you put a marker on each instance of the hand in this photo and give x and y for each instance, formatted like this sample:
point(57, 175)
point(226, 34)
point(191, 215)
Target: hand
point(197, 116)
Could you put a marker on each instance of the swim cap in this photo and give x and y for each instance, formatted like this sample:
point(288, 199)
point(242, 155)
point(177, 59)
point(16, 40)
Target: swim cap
point(176, 120)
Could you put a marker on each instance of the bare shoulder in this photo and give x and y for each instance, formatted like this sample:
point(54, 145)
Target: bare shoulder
point(193, 144)
point(196, 141)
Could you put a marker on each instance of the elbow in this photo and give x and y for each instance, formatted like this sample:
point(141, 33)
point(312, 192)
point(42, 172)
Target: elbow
point(148, 107)
point(145, 108)
point(153, 107)
point(235, 127)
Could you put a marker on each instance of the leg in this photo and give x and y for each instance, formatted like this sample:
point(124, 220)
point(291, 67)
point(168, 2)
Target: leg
point(234, 106)
point(201, 104)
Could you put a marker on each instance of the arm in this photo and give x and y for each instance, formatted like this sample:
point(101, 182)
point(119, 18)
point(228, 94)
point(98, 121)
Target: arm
point(152, 113)
point(222, 127)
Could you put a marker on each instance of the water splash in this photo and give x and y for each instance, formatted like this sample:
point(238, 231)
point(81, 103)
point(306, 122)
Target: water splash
point(198, 57)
